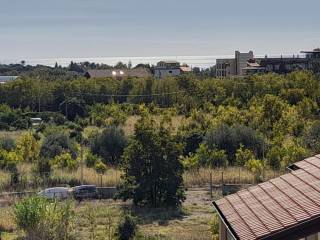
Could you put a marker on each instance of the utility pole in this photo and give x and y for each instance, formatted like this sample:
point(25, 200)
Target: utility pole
point(39, 100)
point(81, 156)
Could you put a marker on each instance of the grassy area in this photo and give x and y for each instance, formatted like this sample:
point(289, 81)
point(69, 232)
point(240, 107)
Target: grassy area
point(235, 175)
point(112, 177)
point(128, 127)
point(96, 219)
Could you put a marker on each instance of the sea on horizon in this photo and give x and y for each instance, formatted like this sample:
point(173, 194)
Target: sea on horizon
point(193, 61)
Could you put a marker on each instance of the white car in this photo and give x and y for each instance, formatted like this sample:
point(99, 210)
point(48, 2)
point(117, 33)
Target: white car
point(56, 193)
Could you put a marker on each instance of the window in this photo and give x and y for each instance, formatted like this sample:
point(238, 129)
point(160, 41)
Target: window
point(170, 72)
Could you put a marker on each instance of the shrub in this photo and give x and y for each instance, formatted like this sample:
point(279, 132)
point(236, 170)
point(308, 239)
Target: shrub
point(56, 144)
point(101, 168)
point(7, 144)
point(65, 161)
point(127, 228)
point(92, 160)
point(109, 144)
point(41, 219)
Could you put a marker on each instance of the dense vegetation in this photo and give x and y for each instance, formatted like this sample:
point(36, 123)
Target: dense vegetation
point(259, 122)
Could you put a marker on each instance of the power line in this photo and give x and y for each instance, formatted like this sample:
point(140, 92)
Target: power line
point(128, 95)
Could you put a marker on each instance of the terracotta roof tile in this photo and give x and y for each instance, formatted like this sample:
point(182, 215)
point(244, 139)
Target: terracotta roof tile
point(274, 206)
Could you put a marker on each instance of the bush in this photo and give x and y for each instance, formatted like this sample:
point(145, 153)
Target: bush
point(7, 144)
point(65, 161)
point(41, 219)
point(109, 144)
point(229, 138)
point(127, 228)
point(92, 160)
point(56, 144)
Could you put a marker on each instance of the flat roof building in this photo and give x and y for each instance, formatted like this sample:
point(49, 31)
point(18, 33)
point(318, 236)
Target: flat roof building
point(5, 79)
point(233, 66)
point(169, 69)
point(139, 72)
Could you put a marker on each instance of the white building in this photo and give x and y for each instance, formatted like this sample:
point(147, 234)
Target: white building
point(233, 66)
point(5, 79)
point(170, 68)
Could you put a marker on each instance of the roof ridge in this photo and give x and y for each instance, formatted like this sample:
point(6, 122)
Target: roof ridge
point(253, 211)
point(254, 234)
point(259, 185)
point(290, 197)
point(265, 206)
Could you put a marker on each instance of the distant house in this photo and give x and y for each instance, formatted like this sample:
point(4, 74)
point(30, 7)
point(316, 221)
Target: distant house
point(233, 66)
point(247, 64)
point(5, 79)
point(284, 208)
point(118, 73)
point(284, 65)
point(170, 68)
point(314, 59)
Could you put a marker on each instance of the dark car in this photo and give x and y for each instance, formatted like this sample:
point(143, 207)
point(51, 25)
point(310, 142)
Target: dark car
point(85, 192)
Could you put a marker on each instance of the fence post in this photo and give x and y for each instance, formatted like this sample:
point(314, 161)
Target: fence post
point(211, 184)
point(222, 181)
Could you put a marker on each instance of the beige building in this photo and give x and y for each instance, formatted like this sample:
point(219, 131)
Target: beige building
point(233, 66)
point(169, 69)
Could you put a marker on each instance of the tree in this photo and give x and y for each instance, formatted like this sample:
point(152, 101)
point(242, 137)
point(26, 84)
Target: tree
point(109, 144)
point(229, 138)
point(92, 160)
point(243, 156)
point(127, 228)
point(100, 168)
point(65, 160)
point(28, 147)
point(56, 144)
point(152, 169)
point(256, 167)
point(211, 157)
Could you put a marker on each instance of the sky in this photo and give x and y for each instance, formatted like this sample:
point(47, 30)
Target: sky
point(111, 28)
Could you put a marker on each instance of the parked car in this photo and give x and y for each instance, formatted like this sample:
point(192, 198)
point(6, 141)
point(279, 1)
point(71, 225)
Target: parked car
point(56, 193)
point(85, 192)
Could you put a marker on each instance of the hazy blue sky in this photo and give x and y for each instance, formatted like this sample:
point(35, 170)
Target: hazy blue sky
point(92, 28)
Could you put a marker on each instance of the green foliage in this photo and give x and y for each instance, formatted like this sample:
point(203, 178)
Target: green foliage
point(256, 167)
point(56, 144)
point(312, 137)
point(7, 143)
point(109, 144)
point(100, 168)
point(28, 147)
point(221, 113)
point(65, 160)
point(229, 138)
point(210, 157)
point(152, 169)
point(214, 223)
point(243, 156)
point(9, 160)
point(92, 160)
point(111, 114)
point(41, 219)
point(127, 228)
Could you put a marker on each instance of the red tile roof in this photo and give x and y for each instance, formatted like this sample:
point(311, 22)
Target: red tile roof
point(276, 206)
